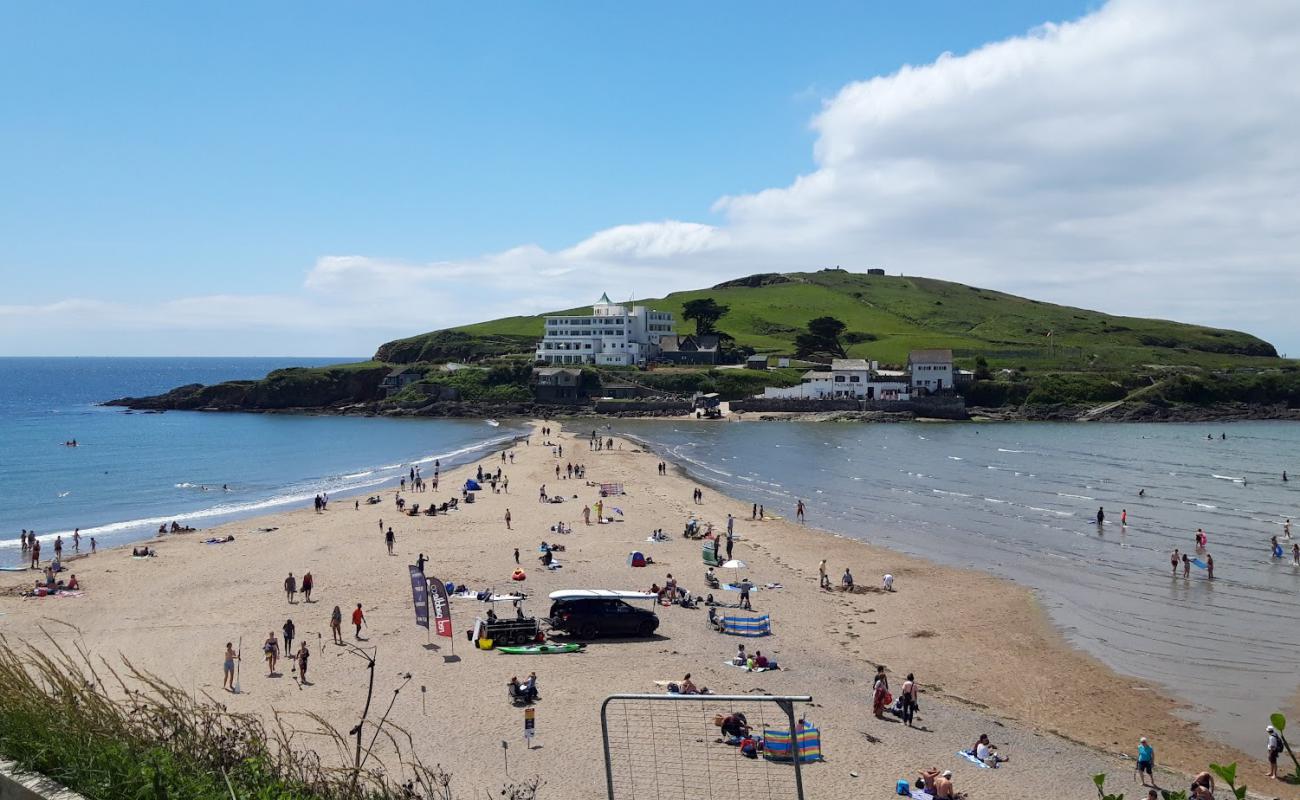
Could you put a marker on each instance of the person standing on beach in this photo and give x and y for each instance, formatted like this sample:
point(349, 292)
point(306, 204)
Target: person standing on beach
point(1173, 563)
point(58, 547)
point(336, 624)
point(358, 619)
point(879, 688)
point(516, 555)
point(36, 551)
point(1146, 762)
point(390, 540)
point(92, 545)
point(729, 543)
point(228, 682)
point(507, 519)
point(420, 561)
point(290, 587)
point(289, 631)
point(308, 583)
point(586, 515)
point(753, 511)
point(731, 526)
point(1274, 748)
point(823, 580)
point(271, 648)
point(798, 511)
point(76, 540)
point(907, 701)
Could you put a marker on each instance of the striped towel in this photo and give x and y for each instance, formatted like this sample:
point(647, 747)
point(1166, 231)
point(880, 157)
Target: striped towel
point(777, 745)
point(747, 626)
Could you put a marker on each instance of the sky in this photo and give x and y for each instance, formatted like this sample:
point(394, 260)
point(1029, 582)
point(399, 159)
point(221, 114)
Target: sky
point(317, 178)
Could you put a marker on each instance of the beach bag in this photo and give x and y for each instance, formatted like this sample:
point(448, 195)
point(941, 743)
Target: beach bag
point(748, 748)
point(903, 788)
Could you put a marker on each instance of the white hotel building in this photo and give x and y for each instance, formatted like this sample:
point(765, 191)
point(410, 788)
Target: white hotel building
point(614, 335)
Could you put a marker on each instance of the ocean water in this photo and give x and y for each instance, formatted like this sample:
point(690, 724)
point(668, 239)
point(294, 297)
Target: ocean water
point(1020, 500)
point(133, 471)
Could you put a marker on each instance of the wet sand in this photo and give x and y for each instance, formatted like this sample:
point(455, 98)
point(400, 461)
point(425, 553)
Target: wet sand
point(984, 653)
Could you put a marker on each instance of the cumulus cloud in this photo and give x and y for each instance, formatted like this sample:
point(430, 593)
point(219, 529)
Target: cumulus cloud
point(1139, 160)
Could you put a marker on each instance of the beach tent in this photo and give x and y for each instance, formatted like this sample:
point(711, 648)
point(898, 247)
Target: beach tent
point(778, 747)
point(611, 489)
point(710, 555)
point(636, 559)
point(747, 626)
point(471, 485)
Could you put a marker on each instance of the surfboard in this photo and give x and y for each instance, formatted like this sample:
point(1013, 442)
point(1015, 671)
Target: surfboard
point(540, 649)
point(1199, 563)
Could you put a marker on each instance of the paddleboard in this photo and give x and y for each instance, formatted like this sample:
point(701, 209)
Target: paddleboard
point(1199, 563)
point(540, 649)
point(13, 569)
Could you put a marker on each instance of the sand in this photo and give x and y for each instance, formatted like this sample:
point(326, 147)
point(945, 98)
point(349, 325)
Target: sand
point(982, 650)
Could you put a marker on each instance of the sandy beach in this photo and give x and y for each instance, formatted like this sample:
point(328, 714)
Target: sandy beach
point(983, 652)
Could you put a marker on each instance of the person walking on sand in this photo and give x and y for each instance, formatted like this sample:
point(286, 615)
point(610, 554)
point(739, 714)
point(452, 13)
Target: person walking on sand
point(290, 587)
point(823, 580)
point(731, 526)
point(516, 555)
point(507, 519)
point(798, 511)
point(358, 619)
point(228, 682)
point(303, 655)
point(753, 511)
point(336, 624)
point(271, 648)
point(289, 631)
point(308, 583)
point(390, 539)
point(1146, 762)
point(879, 688)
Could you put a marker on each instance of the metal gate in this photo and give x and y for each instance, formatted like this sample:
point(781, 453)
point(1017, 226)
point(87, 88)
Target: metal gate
point(670, 747)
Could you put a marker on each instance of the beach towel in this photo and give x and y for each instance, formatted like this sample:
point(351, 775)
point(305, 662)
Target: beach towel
point(777, 745)
point(731, 587)
point(747, 626)
point(921, 794)
point(747, 669)
point(972, 759)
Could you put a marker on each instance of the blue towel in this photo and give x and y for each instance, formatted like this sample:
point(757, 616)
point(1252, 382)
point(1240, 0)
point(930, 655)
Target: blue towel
point(972, 759)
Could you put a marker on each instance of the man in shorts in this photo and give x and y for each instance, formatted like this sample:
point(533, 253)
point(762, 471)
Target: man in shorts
point(1146, 761)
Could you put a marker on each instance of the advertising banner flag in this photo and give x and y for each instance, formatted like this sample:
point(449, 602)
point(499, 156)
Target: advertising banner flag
point(420, 596)
point(441, 608)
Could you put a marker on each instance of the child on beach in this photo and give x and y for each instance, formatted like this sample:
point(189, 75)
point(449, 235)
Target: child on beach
point(228, 682)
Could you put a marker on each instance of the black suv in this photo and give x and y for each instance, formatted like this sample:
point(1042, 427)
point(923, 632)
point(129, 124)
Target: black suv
point(589, 617)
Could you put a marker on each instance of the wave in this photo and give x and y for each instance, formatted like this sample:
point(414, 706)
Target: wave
point(1005, 450)
point(1075, 496)
point(359, 474)
point(956, 458)
point(1228, 478)
point(953, 494)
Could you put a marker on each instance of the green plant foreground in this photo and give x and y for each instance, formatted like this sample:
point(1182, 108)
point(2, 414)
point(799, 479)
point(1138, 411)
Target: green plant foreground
point(157, 742)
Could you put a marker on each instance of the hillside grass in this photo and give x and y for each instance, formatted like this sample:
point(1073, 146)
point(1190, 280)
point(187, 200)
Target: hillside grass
point(898, 314)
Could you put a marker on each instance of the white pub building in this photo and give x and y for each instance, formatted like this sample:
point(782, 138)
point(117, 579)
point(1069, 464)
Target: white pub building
point(614, 335)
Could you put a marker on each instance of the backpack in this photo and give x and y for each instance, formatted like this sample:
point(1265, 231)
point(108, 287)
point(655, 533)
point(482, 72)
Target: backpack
point(903, 788)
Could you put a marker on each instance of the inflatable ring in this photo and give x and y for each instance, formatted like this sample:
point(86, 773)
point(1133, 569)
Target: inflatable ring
point(518, 575)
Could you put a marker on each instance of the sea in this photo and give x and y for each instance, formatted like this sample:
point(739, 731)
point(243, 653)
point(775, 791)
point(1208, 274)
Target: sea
point(131, 472)
point(1020, 500)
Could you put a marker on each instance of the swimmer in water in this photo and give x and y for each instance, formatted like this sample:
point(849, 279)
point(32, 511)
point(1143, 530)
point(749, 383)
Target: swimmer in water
point(1277, 548)
point(1142, 492)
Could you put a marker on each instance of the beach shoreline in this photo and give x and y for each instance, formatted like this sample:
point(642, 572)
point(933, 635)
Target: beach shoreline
point(1050, 699)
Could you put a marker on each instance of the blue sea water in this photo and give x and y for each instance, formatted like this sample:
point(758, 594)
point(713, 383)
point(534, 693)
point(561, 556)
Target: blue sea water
point(1020, 500)
point(132, 472)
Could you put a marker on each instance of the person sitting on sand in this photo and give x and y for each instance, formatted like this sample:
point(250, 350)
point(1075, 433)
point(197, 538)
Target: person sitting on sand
point(760, 660)
point(847, 580)
point(1203, 786)
point(688, 686)
point(73, 585)
point(741, 656)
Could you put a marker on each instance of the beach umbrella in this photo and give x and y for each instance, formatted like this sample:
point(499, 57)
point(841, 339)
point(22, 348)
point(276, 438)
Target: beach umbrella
point(735, 564)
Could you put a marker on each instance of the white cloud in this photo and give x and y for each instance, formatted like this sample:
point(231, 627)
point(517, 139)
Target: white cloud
point(1139, 160)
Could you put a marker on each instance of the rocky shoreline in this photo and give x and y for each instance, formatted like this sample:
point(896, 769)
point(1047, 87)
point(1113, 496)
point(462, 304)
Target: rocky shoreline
point(1122, 412)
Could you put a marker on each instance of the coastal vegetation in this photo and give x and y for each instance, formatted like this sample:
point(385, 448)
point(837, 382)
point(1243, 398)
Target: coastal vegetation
point(111, 734)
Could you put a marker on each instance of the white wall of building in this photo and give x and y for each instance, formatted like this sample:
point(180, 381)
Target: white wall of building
point(613, 335)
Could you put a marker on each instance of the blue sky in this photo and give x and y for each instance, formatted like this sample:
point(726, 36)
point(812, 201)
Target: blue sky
point(162, 154)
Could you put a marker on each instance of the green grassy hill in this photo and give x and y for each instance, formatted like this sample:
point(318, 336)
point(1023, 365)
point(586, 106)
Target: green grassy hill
point(889, 315)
